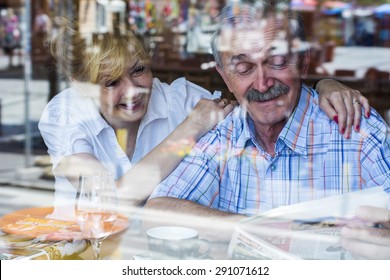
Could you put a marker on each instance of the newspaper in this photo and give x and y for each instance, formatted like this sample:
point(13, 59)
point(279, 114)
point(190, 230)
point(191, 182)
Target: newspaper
point(14, 247)
point(9, 253)
point(309, 230)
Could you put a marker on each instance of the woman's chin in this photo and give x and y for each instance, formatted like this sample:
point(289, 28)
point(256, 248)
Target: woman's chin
point(132, 116)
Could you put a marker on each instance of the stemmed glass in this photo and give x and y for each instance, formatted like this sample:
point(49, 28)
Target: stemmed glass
point(96, 208)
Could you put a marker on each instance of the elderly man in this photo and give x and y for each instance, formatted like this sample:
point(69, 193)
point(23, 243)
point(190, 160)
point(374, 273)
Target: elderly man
point(277, 148)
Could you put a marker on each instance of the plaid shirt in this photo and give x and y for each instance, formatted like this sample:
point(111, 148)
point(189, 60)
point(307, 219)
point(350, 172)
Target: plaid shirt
point(229, 171)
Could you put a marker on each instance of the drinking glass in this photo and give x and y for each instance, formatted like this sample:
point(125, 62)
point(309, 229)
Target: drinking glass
point(96, 208)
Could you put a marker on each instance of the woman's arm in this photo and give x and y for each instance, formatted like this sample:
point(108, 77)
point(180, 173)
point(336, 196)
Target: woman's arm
point(137, 183)
point(342, 104)
point(141, 179)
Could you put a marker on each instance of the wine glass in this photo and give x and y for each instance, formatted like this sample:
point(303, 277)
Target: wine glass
point(96, 208)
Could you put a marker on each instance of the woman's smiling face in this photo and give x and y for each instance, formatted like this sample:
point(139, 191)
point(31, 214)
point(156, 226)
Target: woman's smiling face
point(126, 98)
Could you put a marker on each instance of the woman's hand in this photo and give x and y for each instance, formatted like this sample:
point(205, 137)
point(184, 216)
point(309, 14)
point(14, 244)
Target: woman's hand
point(342, 104)
point(207, 113)
point(371, 238)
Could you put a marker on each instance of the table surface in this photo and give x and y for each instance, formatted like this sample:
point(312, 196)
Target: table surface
point(128, 244)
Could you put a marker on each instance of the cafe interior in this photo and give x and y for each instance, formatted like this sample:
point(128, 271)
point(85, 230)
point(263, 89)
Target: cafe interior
point(177, 34)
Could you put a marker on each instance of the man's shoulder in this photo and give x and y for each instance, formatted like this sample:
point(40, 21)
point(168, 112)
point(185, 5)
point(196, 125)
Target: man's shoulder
point(374, 126)
point(235, 120)
point(317, 115)
point(232, 127)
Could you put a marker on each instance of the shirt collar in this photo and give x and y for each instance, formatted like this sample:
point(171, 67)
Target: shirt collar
point(247, 135)
point(294, 133)
point(157, 108)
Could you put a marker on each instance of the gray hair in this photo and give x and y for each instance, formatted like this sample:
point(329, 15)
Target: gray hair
point(246, 15)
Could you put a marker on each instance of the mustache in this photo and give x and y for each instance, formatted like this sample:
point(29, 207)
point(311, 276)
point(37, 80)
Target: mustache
point(273, 92)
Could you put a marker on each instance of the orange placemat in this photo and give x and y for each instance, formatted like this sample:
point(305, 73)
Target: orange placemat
point(32, 223)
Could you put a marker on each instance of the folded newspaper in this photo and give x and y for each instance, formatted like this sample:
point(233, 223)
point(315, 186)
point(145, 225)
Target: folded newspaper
point(19, 247)
point(309, 230)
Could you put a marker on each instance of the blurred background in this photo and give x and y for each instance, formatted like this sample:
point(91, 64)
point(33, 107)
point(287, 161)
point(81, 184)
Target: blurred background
point(350, 42)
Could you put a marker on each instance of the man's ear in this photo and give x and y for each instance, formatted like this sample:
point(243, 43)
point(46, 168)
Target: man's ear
point(224, 77)
point(305, 64)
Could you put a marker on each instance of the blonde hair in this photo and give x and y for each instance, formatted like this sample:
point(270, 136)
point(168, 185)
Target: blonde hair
point(106, 54)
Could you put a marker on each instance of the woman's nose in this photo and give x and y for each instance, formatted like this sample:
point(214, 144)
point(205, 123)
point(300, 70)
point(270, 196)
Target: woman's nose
point(130, 88)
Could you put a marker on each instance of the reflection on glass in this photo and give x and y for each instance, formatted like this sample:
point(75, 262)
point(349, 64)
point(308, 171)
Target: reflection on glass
point(96, 208)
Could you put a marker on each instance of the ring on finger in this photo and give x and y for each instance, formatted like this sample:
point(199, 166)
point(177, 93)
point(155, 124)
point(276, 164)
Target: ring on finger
point(355, 101)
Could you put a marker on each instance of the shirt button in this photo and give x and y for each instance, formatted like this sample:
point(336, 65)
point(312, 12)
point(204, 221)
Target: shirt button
point(273, 167)
point(289, 151)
